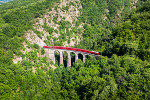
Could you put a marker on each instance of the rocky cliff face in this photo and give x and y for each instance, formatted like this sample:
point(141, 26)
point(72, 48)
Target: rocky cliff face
point(61, 20)
point(56, 27)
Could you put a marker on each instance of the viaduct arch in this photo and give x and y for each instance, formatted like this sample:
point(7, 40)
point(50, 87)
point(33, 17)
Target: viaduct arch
point(76, 51)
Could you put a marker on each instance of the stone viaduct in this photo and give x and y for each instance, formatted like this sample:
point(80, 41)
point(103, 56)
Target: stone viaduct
point(76, 51)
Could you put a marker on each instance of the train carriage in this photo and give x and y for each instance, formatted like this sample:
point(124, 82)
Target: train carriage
point(74, 49)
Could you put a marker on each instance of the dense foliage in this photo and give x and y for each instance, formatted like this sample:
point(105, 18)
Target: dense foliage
point(100, 17)
point(15, 19)
point(127, 35)
point(110, 27)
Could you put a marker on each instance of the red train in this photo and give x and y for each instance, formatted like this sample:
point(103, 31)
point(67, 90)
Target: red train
point(74, 49)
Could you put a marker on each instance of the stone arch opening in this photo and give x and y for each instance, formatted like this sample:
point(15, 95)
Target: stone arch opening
point(87, 56)
point(72, 58)
point(80, 56)
point(57, 57)
point(65, 58)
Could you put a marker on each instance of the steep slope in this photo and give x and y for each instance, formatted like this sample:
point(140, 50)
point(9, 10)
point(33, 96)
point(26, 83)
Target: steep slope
point(56, 27)
point(132, 36)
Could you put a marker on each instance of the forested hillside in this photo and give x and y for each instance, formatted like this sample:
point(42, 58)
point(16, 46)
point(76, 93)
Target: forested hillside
point(119, 29)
